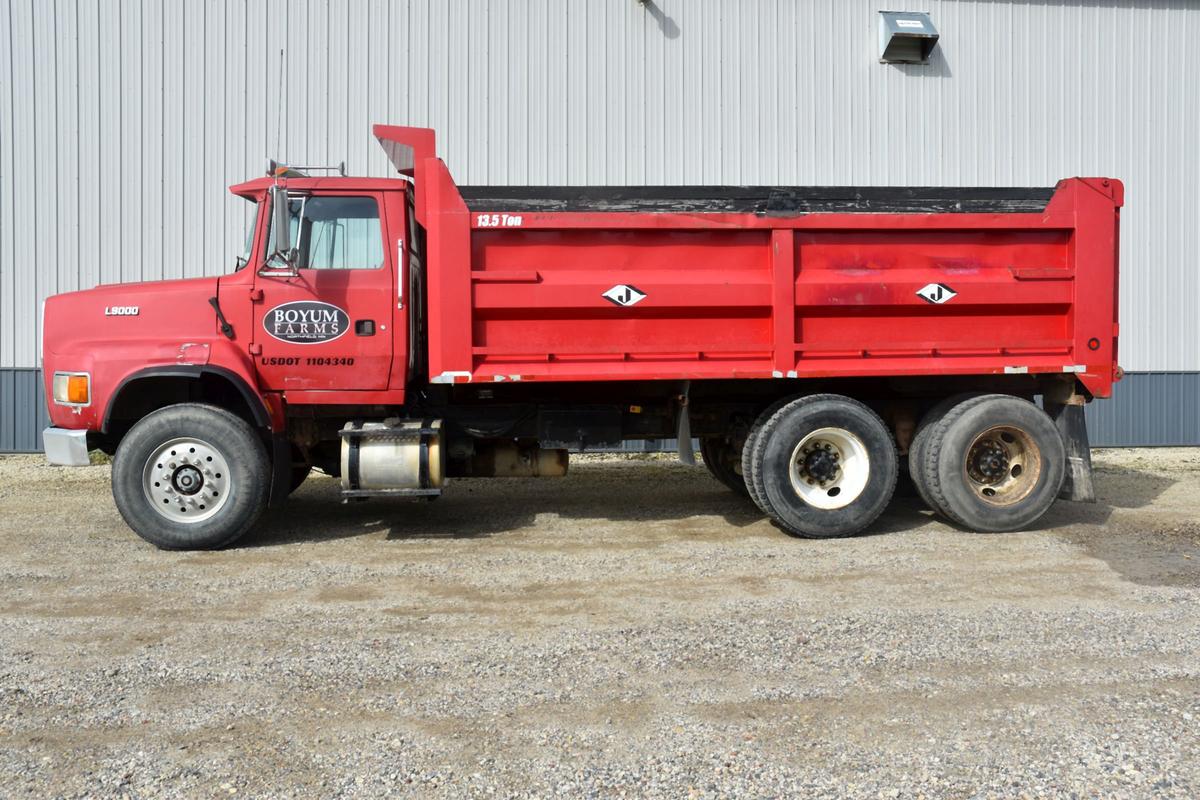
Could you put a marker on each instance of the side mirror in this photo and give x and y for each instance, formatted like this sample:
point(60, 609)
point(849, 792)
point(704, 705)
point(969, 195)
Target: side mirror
point(282, 261)
point(282, 220)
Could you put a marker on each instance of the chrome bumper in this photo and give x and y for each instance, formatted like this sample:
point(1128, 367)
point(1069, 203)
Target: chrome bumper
point(66, 448)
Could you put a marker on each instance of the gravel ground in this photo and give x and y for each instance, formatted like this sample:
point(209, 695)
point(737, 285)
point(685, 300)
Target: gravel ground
point(630, 630)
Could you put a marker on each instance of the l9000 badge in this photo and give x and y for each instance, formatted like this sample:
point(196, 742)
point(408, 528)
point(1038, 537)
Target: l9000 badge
point(306, 322)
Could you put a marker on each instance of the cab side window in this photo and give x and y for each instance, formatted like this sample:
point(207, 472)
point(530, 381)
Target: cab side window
point(336, 233)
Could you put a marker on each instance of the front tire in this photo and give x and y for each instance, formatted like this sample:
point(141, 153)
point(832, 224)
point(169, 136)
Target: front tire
point(827, 465)
point(191, 477)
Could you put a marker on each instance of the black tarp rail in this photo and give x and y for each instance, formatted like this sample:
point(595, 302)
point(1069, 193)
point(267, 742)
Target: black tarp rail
point(768, 201)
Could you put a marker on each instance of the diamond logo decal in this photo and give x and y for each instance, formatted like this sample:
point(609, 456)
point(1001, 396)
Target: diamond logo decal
point(624, 295)
point(936, 293)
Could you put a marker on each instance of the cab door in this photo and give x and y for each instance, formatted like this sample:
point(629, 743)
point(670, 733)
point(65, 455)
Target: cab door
point(329, 327)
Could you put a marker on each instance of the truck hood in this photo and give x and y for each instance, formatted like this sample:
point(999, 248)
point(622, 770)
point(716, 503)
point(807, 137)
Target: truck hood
point(164, 311)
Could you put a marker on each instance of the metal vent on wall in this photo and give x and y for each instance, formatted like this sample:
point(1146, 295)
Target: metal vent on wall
point(906, 37)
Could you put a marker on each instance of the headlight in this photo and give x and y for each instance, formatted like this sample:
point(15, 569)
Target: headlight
point(72, 388)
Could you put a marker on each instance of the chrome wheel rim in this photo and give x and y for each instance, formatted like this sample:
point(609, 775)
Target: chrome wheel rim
point(830, 468)
point(186, 480)
point(1002, 465)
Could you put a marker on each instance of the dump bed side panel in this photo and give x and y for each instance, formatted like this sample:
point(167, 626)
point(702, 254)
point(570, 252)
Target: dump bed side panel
point(592, 293)
point(939, 294)
point(595, 301)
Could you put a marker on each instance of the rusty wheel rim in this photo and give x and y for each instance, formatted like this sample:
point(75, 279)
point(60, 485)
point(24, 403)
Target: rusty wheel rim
point(1002, 465)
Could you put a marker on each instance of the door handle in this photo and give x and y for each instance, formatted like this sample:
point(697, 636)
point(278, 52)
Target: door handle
point(364, 327)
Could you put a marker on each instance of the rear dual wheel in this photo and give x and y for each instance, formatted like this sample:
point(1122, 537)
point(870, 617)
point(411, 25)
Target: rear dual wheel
point(821, 466)
point(919, 447)
point(752, 476)
point(990, 463)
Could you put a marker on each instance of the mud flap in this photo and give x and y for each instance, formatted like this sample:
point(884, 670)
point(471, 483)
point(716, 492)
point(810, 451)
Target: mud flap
point(683, 429)
point(281, 469)
point(1069, 419)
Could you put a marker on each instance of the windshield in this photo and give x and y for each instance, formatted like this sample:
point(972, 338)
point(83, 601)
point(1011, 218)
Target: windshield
point(244, 258)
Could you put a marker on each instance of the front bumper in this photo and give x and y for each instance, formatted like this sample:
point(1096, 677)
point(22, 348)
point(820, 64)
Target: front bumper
point(66, 448)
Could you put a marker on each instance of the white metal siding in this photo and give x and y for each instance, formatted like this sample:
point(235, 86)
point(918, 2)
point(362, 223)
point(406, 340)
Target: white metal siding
point(122, 123)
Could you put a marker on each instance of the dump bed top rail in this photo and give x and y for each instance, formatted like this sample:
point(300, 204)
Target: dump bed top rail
point(771, 201)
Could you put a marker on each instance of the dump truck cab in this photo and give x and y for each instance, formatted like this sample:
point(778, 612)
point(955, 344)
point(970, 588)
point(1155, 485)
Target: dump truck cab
point(247, 337)
point(334, 315)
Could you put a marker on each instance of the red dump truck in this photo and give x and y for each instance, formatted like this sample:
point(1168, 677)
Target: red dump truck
point(819, 343)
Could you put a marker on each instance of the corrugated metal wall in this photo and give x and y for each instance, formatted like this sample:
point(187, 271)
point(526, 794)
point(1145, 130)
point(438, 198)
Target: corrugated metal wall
point(22, 410)
point(1148, 408)
point(121, 123)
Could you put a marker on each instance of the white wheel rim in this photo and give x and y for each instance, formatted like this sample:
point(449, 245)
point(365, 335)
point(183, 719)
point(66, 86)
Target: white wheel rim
point(186, 480)
point(810, 472)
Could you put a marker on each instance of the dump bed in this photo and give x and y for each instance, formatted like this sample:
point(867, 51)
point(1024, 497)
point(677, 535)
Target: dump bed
point(581, 284)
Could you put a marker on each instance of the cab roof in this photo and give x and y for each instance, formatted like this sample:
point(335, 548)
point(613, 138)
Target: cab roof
point(253, 189)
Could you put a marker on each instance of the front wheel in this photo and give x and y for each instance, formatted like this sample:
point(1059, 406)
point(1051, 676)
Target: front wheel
point(191, 477)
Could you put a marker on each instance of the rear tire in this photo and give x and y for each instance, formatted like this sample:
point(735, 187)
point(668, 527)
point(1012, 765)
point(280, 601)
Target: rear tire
point(918, 451)
point(754, 484)
point(995, 463)
point(827, 464)
point(191, 477)
point(724, 463)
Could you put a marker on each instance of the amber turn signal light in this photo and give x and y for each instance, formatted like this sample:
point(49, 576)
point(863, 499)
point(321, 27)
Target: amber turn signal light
point(72, 388)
